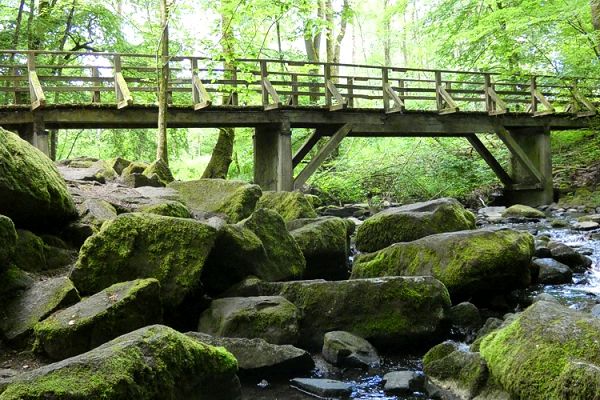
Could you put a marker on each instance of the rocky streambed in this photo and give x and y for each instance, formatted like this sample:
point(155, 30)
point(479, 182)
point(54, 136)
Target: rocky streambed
point(122, 283)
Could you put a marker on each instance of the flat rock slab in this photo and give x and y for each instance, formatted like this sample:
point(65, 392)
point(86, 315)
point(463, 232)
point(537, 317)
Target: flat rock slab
point(403, 382)
point(20, 315)
point(586, 226)
point(322, 387)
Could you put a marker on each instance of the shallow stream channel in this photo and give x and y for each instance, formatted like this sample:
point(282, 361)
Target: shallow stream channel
point(582, 294)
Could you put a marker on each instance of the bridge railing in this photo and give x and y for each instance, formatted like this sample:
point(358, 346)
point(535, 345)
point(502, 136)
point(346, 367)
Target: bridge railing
point(42, 78)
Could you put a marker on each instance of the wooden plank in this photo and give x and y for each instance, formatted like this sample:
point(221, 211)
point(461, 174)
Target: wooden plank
point(500, 105)
point(489, 158)
point(340, 102)
point(442, 96)
point(321, 155)
point(199, 94)
point(124, 98)
point(591, 109)
point(307, 146)
point(398, 103)
point(38, 99)
point(542, 99)
point(518, 153)
point(96, 97)
point(269, 90)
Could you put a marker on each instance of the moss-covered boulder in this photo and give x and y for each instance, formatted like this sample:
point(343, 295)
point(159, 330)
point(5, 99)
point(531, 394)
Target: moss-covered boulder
point(8, 242)
point(257, 358)
point(118, 164)
point(235, 199)
point(325, 244)
point(523, 211)
point(347, 350)
point(19, 314)
point(119, 309)
point(33, 192)
point(96, 212)
point(151, 363)
point(394, 312)
point(272, 318)
point(138, 245)
point(285, 260)
point(472, 264)
point(455, 369)
point(412, 222)
point(167, 209)
point(547, 352)
point(161, 170)
point(290, 205)
point(136, 167)
point(29, 253)
point(14, 281)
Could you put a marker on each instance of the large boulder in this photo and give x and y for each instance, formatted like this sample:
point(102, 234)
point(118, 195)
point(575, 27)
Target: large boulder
point(138, 245)
point(347, 350)
point(569, 256)
point(522, 211)
point(272, 318)
point(29, 253)
point(19, 315)
point(259, 359)
point(547, 352)
point(290, 205)
point(411, 222)
point(285, 260)
point(325, 244)
point(150, 363)
point(167, 209)
point(96, 211)
point(394, 311)
point(472, 264)
point(8, 242)
point(117, 310)
point(33, 192)
point(552, 272)
point(235, 199)
point(161, 170)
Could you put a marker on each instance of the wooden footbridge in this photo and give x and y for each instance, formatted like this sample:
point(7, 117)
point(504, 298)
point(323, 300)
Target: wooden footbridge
point(42, 90)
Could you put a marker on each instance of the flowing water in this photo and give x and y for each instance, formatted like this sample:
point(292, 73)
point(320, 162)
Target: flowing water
point(582, 295)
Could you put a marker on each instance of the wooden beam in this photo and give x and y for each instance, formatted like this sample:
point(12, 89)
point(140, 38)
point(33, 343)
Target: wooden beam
point(518, 153)
point(591, 109)
point(38, 98)
point(270, 91)
point(307, 146)
point(321, 155)
point(489, 158)
point(124, 98)
point(398, 103)
point(445, 102)
point(339, 103)
point(542, 99)
point(501, 107)
point(199, 94)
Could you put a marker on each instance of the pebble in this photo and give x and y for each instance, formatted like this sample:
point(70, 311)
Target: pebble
point(403, 382)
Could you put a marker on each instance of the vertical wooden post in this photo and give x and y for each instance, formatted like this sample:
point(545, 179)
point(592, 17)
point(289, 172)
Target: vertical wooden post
point(294, 95)
point(438, 96)
point(350, 95)
point(96, 93)
point(534, 100)
point(38, 99)
point(487, 84)
point(327, 77)
point(401, 94)
point(384, 82)
point(264, 74)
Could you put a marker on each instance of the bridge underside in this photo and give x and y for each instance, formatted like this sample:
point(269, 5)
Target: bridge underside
point(527, 138)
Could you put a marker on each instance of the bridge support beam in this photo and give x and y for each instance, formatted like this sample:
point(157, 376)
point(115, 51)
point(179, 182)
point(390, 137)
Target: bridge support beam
point(535, 144)
point(36, 134)
point(273, 157)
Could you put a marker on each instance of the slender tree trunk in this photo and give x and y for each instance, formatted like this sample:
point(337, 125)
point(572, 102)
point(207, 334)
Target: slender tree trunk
point(387, 40)
point(595, 6)
point(163, 83)
point(221, 157)
point(312, 43)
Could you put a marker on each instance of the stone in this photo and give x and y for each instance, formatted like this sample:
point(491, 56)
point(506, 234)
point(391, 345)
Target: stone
point(568, 256)
point(119, 309)
point(20, 314)
point(595, 311)
point(347, 350)
point(285, 260)
point(393, 312)
point(403, 382)
point(412, 222)
point(548, 351)
point(471, 264)
point(96, 212)
point(465, 316)
point(161, 170)
point(586, 226)
point(257, 358)
point(13, 281)
point(235, 199)
point(325, 244)
point(272, 318)
point(490, 325)
point(456, 369)
point(290, 205)
point(77, 233)
point(591, 217)
point(559, 223)
point(90, 171)
point(323, 388)
point(155, 362)
point(139, 245)
point(552, 272)
point(8, 242)
point(545, 297)
point(167, 209)
point(118, 164)
point(523, 211)
point(136, 167)
point(29, 253)
point(492, 213)
point(137, 180)
point(34, 195)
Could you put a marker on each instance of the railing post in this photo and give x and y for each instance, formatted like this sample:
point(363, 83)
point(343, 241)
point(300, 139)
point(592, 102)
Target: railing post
point(96, 93)
point(350, 97)
point(384, 83)
point(294, 96)
point(38, 99)
point(489, 104)
point(534, 100)
point(401, 94)
point(264, 75)
point(327, 77)
point(438, 96)
point(200, 96)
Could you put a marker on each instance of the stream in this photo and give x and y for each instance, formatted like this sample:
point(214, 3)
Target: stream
point(582, 295)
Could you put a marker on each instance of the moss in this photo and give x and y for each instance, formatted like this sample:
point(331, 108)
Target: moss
point(8, 242)
point(234, 199)
point(118, 164)
point(152, 363)
point(137, 245)
point(411, 222)
point(290, 205)
point(469, 263)
point(161, 170)
point(533, 356)
point(581, 197)
point(167, 209)
point(134, 168)
point(33, 192)
point(29, 254)
point(520, 210)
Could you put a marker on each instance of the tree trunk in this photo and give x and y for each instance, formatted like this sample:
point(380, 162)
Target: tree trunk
point(387, 37)
point(595, 6)
point(163, 83)
point(221, 157)
point(312, 43)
